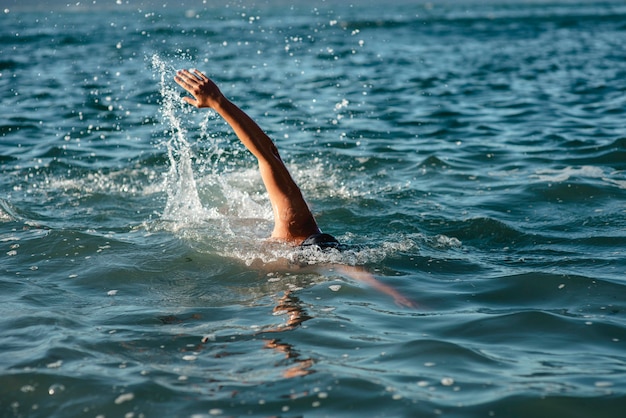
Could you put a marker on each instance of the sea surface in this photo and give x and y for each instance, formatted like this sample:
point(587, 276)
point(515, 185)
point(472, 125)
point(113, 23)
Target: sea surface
point(469, 155)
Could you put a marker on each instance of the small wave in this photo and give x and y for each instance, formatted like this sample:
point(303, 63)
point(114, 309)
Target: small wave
point(383, 23)
point(9, 64)
point(141, 181)
point(560, 175)
point(6, 158)
point(5, 211)
point(484, 229)
point(9, 212)
point(433, 162)
point(573, 180)
point(439, 350)
point(582, 154)
point(552, 291)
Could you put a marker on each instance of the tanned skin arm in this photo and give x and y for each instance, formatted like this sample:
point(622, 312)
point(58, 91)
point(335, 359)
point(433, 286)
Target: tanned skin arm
point(293, 220)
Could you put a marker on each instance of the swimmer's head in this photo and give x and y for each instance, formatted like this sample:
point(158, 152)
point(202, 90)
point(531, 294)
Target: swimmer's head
point(322, 241)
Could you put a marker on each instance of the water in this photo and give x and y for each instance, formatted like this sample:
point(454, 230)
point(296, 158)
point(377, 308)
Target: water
point(470, 155)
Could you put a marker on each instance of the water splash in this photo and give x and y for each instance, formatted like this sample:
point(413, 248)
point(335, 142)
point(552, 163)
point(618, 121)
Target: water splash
point(204, 199)
point(183, 201)
point(238, 211)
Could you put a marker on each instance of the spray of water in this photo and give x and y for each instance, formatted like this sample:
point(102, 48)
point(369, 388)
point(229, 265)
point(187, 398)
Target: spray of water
point(205, 200)
point(183, 202)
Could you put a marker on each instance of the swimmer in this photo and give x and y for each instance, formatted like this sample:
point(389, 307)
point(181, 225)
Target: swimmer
point(293, 221)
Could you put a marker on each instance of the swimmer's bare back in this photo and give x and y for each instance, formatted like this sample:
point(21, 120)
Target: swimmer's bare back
point(293, 220)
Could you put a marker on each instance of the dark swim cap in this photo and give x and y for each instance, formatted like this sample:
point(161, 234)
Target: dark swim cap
point(322, 241)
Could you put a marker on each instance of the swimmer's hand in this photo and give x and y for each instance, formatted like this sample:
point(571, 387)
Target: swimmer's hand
point(204, 91)
point(404, 301)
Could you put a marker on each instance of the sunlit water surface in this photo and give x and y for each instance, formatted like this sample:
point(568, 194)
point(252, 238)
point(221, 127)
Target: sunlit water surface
point(470, 155)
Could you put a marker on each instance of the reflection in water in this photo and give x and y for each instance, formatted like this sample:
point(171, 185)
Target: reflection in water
point(290, 305)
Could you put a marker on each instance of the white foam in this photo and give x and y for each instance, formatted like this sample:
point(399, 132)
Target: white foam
point(123, 182)
point(4, 217)
point(5, 212)
point(124, 397)
point(585, 171)
point(563, 174)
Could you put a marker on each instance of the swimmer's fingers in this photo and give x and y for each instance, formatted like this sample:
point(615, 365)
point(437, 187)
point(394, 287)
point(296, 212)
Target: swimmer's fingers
point(187, 80)
point(200, 75)
point(191, 101)
point(405, 302)
point(184, 83)
point(182, 80)
point(204, 91)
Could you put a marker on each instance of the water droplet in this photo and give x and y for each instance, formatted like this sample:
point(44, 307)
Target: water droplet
point(124, 397)
point(55, 389)
point(55, 365)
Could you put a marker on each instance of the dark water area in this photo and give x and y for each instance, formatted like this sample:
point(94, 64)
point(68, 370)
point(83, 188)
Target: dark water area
point(469, 155)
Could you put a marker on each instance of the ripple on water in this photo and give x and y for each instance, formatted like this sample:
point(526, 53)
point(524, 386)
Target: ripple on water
point(479, 171)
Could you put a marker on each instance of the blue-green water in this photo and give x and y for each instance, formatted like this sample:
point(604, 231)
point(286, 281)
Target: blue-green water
point(470, 155)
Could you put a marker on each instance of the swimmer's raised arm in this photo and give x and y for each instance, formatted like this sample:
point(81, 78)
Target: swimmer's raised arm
point(293, 220)
point(206, 94)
